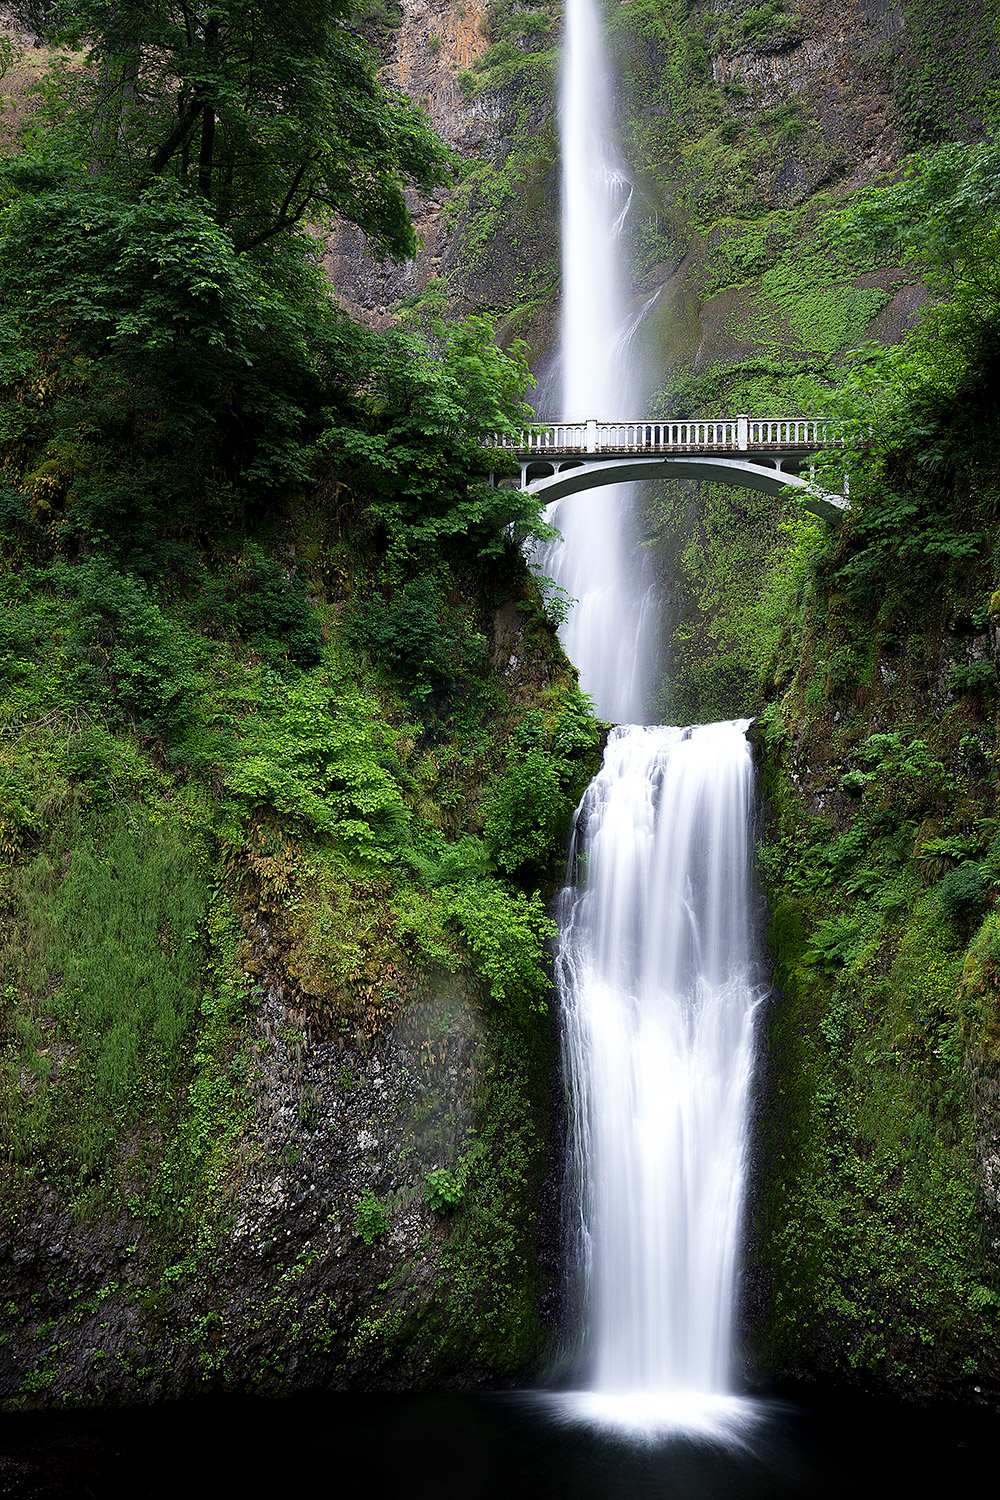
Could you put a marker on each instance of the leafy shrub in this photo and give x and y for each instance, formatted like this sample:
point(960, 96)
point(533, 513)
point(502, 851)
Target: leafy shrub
point(974, 676)
point(834, 940)
point(106, 765)
point(313, 755)
point(410, 631)
point(506, 931)
point(527, 813)
point(577, 732)
point(273, 604)
point(938, 855)
point(443, 1190)
point(371, 1218)
point(963, 893)
point(450, 864)
point(124, 653)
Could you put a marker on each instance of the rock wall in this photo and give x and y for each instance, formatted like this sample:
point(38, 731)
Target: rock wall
point(873, 1256)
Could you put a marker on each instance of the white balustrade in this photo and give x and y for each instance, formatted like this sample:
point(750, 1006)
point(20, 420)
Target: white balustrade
point(735, 434)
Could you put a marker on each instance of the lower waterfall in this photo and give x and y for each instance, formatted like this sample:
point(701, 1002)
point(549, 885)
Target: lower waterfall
point(659, 985)
point(655, 963)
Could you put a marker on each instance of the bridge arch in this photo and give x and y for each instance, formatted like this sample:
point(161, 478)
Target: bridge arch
point(768, 477)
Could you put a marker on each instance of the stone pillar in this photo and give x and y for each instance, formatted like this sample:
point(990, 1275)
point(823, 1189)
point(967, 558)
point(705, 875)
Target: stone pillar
point(742, 432)
point(592, 436)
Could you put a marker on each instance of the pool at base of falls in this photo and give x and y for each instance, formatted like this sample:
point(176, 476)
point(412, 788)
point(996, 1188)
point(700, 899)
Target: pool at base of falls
point(516, 1446)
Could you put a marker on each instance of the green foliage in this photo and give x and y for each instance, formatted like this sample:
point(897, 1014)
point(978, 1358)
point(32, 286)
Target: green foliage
point(135, 347)
point(8, 53)
point(944, 90)
point(527, 811)
point(963, 894)
point(873, 1225)
point(266, 604)
point(110, 965)
point(169, 349)
point(834, 941)
point(312, 755)
point(919, 413)
point(421, 404)
point(443, 1190)
point(380, 15)
point(269, 113)
point(413, 632)
point(520, 45)
point(505, 931)
point(761, 22)
point(371, 1218)
point(124, 653)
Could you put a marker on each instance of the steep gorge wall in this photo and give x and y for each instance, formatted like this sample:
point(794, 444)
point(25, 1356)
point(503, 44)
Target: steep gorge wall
point(874, 1239)
point(742, 124)
point(335, 1174)
point(874, 1248)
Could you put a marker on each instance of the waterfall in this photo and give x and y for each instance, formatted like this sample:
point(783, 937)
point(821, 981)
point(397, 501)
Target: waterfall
point(611, 629)
point(657, 975)
point(655, 961)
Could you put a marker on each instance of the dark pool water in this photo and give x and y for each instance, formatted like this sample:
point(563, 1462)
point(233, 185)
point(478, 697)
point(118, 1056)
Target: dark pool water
point(450, 1447)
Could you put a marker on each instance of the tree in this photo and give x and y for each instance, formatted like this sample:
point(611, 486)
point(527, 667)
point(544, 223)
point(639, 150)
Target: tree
point(170, 358)
point(271, 110)
point(411, 431)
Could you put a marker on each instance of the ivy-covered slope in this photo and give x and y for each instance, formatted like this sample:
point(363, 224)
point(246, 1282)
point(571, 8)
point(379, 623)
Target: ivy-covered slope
point(275, 1050)
point(287, 751)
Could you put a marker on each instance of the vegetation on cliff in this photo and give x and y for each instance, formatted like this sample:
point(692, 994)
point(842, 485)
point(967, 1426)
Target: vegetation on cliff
point(881, 863)
point(869, 654)
point(286, 740)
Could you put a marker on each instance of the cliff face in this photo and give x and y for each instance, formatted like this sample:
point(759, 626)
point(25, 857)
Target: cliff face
point(426, 54)
point(344, 1185)
point(742, 124)
point(334, 1173)
point(873, 1255)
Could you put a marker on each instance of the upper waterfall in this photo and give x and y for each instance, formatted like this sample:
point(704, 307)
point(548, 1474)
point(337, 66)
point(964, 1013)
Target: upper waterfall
point(595, 194)
point(610, 631)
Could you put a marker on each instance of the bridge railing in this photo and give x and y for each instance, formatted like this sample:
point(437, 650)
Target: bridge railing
point(736, 434)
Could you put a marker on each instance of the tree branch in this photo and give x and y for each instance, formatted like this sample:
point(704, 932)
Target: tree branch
point(285, 216)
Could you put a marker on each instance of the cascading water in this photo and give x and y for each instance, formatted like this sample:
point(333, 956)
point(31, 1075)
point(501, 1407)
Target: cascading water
point(655, 961)
point(611, 628)
point(658, 981)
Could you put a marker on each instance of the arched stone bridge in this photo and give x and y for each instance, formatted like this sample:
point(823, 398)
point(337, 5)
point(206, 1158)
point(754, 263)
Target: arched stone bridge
point(755, 453)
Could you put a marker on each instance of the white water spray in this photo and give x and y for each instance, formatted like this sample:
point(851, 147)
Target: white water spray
point(655, 962)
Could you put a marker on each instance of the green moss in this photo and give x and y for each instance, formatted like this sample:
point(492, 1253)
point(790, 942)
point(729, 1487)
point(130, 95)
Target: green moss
point(872, 1223)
